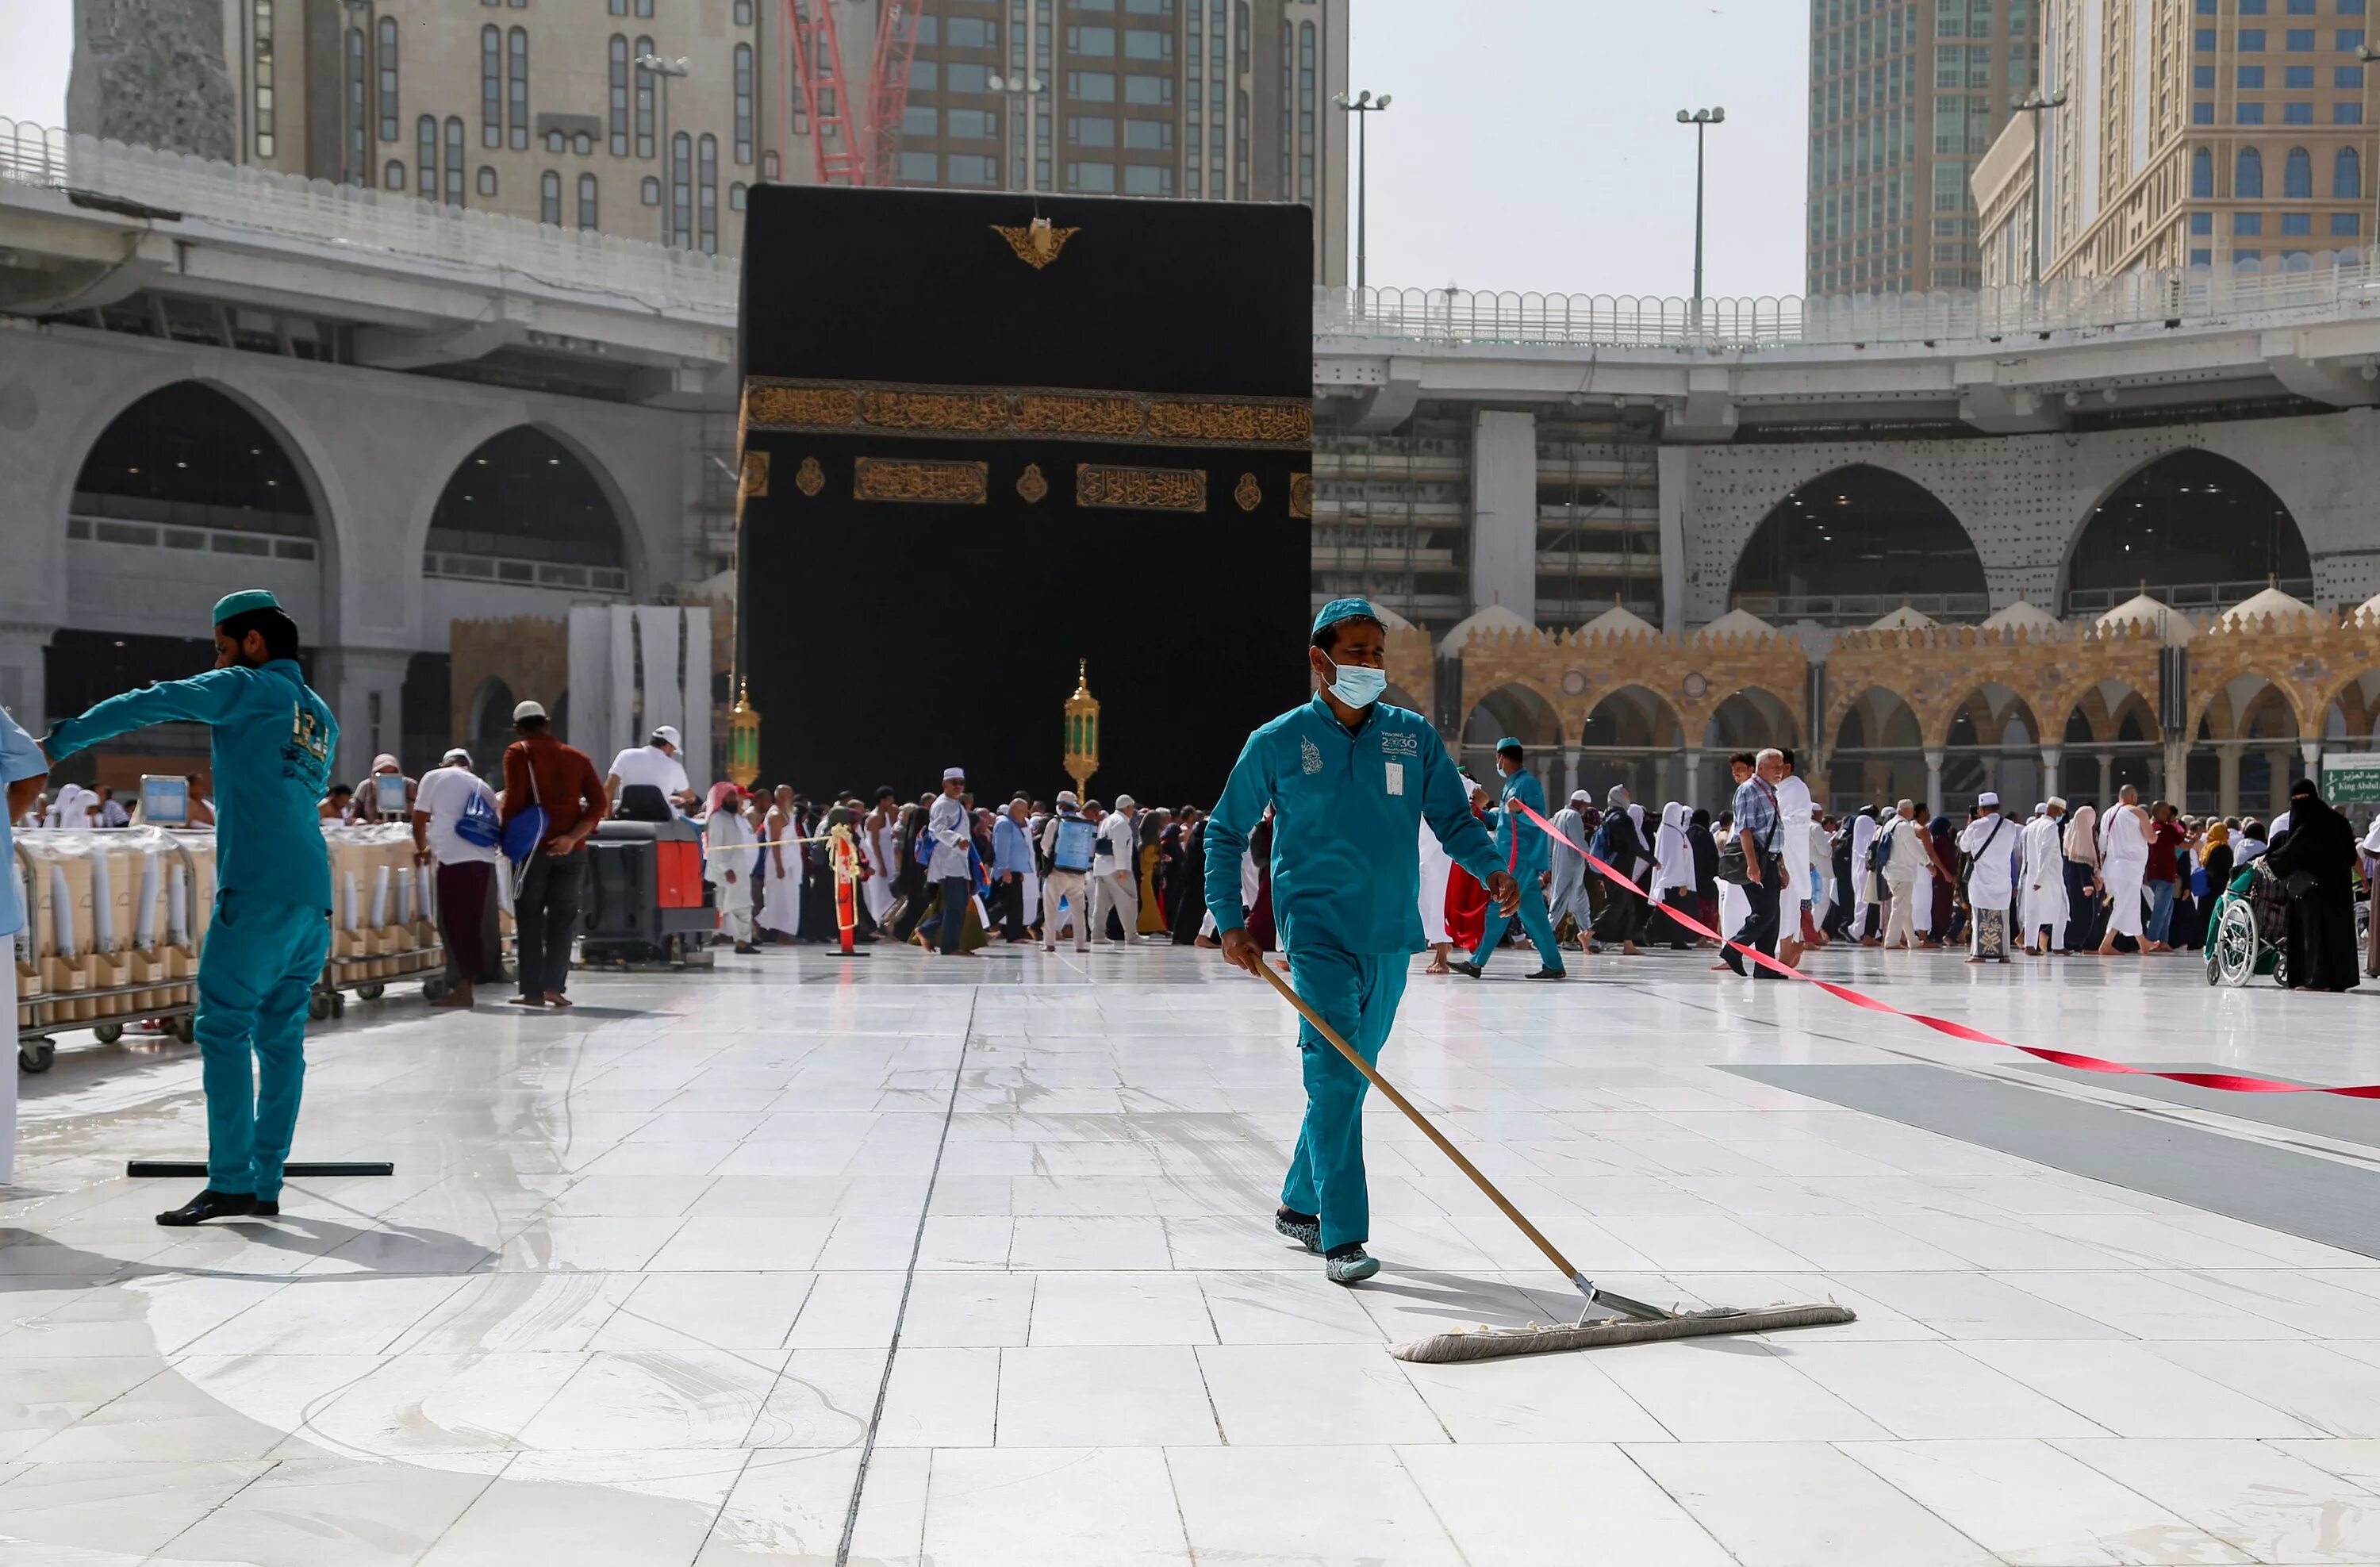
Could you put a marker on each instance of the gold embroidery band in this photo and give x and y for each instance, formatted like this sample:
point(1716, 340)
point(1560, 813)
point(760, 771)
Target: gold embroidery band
point(888, 479)
point(1301, 494)
point(820, 407)
point(1141, 488)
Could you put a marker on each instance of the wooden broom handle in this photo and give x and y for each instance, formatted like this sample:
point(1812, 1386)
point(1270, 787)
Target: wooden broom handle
point(1418, 1118)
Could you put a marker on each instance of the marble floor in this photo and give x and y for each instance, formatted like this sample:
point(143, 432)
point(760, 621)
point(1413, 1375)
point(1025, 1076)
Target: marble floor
point(967, 1262)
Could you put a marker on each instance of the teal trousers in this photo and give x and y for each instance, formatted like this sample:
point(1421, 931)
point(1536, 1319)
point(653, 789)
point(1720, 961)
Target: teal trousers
point(1358, 996)
point(1534, 920)
point(256, 976)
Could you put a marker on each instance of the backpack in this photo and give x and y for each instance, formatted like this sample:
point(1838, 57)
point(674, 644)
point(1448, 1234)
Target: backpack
point(1073, 848)
point(1879, 848)
point(479, 826)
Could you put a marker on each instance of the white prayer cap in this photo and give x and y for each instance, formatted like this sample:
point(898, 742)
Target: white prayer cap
point(1066, 797)
point(1578, 795)
point(528, 710)
point(1988, 798)
point(1125, 802)
point(459, 756)
point(2040, 806)
point(956, 774)
point(667, 731)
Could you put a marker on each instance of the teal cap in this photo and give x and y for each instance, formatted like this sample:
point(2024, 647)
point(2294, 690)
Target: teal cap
point(247, 598)
point(1508, 744)
point(1338, 610)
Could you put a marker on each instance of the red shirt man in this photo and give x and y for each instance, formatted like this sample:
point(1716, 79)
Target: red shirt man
point(541, 770)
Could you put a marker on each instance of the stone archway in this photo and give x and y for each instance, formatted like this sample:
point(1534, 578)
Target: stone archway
point(2193, 529)
point(1633, 737)
point(527, 510)
point(1854, 544)
point(1878, 754)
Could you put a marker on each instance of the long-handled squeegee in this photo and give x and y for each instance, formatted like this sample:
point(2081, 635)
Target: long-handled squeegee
point(1635, 1323)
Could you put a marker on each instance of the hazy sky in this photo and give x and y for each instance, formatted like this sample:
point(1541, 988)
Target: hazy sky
point(1532, 144)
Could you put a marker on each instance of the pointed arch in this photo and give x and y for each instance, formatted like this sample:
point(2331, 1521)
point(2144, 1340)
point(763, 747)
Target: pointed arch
point(2198, 529)
point(2248, 174)
point(1855, 543)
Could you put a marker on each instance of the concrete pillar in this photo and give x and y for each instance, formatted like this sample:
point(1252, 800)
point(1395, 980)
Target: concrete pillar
point(24, 667)
point(2227, 777)
point(2107, 780)
point(366, 689)
point(1673, 467)
point(1933, 782)
point(1694, 779)
point(2177, 774)
point(2283, 765)
point(2049, 759)
point(2312, 747)
point(1504, 512)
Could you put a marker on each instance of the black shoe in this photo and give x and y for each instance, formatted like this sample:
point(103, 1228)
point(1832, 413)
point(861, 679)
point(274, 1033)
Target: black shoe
point(266, 1209)
point(213, 1204)
point(1550, 974)
point(1467, 968)
point(747, 949)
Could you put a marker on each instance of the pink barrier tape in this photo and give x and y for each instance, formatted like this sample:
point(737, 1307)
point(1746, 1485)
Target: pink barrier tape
point(2225, 1082)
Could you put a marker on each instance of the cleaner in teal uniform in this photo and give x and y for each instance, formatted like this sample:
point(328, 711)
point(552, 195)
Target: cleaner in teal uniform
point(273, 739)
point(1349, 779)
point(1523, 848)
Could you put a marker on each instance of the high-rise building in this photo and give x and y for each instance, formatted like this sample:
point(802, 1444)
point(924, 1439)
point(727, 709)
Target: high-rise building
point(2233, 134)
point(1904, 97)
point(1218, 99)
point(545, 109)
point(536, 111)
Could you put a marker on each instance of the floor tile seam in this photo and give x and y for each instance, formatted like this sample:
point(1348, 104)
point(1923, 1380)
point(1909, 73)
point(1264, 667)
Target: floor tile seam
point(2051, 1444)
point(2062, 1444)
point(1686, 1510)
point(2014, 1279)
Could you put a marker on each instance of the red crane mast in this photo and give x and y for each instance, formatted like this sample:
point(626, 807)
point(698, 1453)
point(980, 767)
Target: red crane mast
point(845, 148)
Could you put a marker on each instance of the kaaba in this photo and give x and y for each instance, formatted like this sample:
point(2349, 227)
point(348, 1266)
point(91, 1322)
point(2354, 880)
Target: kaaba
point(992, 439)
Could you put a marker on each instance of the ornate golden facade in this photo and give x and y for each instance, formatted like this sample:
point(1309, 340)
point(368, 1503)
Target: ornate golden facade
point(1141, 488)
point(948, 483)
point(1144, 419)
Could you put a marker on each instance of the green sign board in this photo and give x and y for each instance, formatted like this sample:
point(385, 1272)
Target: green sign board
point(2351, 778)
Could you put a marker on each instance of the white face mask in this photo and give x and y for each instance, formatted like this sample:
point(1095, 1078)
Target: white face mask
point(1356, 686)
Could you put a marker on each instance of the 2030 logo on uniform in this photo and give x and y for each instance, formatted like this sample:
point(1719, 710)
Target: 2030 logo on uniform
point(1396, 743)
point(1309, 755)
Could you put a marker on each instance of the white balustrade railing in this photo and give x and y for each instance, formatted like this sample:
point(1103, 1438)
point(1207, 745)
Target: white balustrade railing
point(634, 271)
point(2345, 285)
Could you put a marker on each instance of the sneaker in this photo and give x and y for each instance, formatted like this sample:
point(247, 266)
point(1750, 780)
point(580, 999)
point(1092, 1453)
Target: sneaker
point(1351, 1267)
point(1305, 1229)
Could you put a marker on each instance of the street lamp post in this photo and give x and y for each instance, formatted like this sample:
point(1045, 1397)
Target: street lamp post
point(1363, 107)
point(666, 70)
point(1026, 91)
point(2036, 105)
point(1702, 120)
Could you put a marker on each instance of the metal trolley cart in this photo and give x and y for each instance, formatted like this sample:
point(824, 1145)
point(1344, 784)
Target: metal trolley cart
point(161, 983)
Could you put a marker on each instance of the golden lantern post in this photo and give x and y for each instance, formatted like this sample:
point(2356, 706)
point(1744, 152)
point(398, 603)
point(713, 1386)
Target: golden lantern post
point(743, 740)
point(1082, 731)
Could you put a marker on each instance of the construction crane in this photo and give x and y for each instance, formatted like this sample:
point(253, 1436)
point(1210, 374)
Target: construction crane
point(845, 148)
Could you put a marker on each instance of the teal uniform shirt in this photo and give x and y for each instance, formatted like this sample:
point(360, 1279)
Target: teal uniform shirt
point(272, 742)
point(1520, 843)
point(1346, 836)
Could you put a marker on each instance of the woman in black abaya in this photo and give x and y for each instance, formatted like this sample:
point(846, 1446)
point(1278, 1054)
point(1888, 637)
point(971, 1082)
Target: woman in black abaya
point(2316, 860)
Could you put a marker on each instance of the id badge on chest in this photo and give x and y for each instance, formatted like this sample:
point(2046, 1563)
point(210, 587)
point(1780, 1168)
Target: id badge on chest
point(1396, 777)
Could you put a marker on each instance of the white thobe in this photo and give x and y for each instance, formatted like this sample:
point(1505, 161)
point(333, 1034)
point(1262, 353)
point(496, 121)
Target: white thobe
point(1794, 812)
point(886, 862)
point(728, 839)
point(2043, 886)
point(2124, 860)
point(1989, 840)
point(1821, 863)
point(1437, 865)
point(782, 910)
point(1568, 893)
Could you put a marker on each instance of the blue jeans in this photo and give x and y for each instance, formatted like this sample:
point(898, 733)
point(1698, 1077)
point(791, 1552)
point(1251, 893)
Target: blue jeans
point(950, 922)
point(2160, 910)
point(1357, 996)
point(255, 974)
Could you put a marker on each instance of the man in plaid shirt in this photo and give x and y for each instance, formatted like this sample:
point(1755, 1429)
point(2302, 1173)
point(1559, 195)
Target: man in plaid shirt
point(1757, 827)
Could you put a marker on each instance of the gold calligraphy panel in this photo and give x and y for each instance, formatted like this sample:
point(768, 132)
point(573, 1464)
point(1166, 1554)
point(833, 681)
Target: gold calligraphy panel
point(1301, 494)
point(1141, 488)
point(899, 479)
point(1026, 412)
